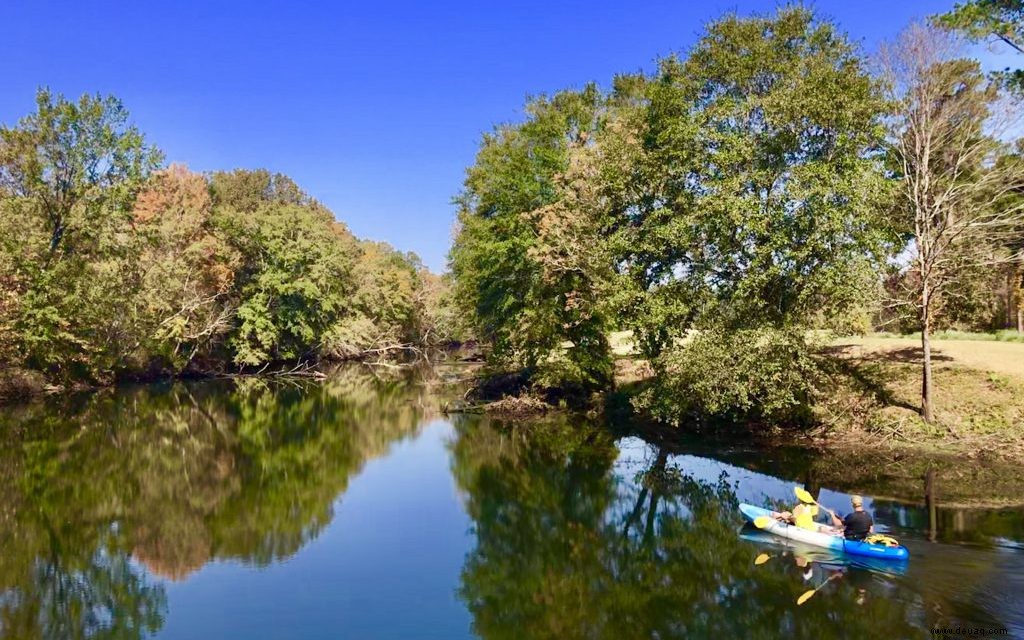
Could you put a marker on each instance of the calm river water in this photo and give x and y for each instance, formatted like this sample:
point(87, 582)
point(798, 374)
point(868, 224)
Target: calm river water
point(353, 508)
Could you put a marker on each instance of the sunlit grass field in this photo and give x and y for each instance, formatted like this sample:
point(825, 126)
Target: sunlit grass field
point(993, 355)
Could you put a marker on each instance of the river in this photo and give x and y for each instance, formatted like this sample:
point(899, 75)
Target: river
point(354, 508)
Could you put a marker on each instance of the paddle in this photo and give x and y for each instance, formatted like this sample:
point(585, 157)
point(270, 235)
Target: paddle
point(807, 594)
point(805, 496)
point(761, 559)
point(763, 521)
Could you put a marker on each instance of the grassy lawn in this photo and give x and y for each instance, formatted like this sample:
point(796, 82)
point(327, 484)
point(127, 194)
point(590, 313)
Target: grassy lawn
point(1005, 358)
point(873, 392)
point(978, 388)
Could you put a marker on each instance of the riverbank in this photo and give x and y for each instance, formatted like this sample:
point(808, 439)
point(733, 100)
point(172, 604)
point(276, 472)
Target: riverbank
point(869, 397)
point(20, 384)
point(874, 397)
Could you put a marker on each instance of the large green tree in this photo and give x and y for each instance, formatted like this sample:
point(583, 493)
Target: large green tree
point(1002, 20)
point(296, 272)
point(745, 202)
point(69, 173)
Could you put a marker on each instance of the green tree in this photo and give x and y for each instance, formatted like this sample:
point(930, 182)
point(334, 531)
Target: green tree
point(186, 303)
point(68, 177)
point(999, 19)
point(296, 272)
point(746, 195)
point(385, 316)
point(530, 292)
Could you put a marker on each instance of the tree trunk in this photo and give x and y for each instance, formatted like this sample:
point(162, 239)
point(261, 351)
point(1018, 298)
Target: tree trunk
point(926, 352)
point(1018, 296)
point(1015, 299)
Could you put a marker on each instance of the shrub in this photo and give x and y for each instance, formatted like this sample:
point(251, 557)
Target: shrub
point(759, 375)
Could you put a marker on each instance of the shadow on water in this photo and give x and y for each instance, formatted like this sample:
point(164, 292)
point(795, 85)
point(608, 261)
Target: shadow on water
point(112, 501)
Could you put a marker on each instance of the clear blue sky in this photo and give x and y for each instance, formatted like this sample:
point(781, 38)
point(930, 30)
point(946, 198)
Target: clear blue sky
point(374, 108)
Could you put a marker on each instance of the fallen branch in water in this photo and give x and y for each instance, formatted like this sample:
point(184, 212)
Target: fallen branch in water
point(509, 405)
point(301, 370)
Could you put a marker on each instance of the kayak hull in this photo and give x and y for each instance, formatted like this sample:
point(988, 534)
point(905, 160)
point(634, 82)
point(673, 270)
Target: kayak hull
point(824, 540)
point(824, 557)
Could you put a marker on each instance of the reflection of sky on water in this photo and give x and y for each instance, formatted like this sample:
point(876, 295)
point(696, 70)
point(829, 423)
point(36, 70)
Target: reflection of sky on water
point(385, 567)
point(750, 486)
point(998, 528)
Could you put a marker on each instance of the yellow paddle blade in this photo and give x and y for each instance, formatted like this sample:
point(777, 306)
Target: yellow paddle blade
point(762, 521)
point(805, 597)
point(803, 495)
point(761, 559)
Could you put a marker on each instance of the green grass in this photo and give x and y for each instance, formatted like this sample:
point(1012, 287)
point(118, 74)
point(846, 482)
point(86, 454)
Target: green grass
point(875, 395)
point(1003, 335)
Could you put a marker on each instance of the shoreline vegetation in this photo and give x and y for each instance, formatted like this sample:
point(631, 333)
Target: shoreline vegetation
point(114, 267)
point(867, 400)
point(680, 247)
point(731, 210)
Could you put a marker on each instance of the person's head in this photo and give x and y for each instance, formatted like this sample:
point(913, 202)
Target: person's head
point(857, 502)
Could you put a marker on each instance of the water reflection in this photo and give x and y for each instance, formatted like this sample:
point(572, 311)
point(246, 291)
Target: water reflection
point(575, 539)
point(112, 502)
point(109, 492)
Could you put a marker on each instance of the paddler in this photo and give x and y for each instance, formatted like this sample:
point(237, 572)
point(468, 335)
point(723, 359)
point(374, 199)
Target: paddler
point(801, 516)
point(858, 524)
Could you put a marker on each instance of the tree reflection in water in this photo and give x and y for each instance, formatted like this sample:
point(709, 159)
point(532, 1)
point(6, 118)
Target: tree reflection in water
point(568, 545)
point(110, 490)
point(107, 497)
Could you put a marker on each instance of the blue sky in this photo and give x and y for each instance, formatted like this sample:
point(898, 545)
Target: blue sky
point(374, 108)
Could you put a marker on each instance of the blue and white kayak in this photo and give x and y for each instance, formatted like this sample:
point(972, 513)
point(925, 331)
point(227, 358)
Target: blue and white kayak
point(824, 540)
point(824, 557)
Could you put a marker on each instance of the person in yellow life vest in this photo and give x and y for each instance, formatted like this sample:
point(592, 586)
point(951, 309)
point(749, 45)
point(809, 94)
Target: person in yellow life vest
point(803, 516)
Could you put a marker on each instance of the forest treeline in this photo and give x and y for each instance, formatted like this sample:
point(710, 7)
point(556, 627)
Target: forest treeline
point(115, 266)
point(742, 200)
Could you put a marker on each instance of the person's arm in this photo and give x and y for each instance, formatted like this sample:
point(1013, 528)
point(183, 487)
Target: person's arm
point(836, 521)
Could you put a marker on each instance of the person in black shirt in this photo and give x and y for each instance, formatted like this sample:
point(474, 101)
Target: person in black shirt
point(858, 524)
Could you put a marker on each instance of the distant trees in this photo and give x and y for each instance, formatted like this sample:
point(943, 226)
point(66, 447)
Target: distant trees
point(958, 181)
point(113, 266)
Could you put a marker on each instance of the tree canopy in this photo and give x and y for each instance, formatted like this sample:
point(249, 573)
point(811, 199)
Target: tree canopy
point(115, 266)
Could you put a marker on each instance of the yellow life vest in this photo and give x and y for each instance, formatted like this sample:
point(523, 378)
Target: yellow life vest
point(803, 516)
point(881, 538)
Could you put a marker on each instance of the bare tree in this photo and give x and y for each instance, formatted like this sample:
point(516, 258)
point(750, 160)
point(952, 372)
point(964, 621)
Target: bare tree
point(948, 136)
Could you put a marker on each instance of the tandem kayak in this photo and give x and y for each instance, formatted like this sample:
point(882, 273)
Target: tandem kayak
point(824, 540)
point(826, 558)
